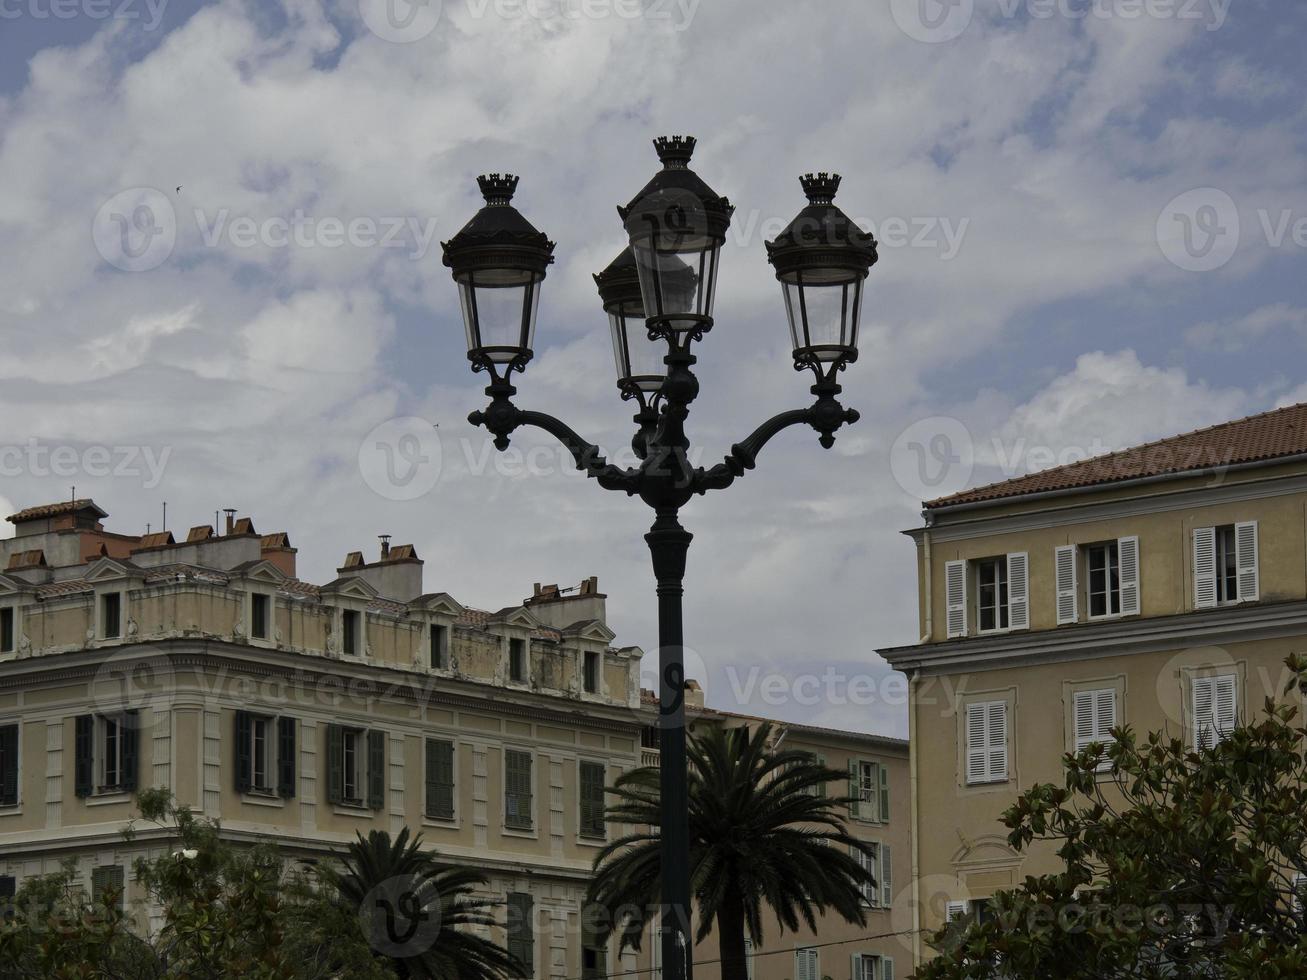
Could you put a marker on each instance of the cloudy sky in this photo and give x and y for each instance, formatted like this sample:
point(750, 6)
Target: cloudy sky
point(1093, 228)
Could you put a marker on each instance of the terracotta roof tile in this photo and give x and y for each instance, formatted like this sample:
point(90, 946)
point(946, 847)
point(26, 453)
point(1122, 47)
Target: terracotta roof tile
point(1270, 435)
point(54, 510)
point(53, 589)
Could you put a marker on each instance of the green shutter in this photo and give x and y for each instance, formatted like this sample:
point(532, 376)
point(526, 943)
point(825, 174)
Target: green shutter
point(592, 799)
point(286, 758)
point(376, 769)
point(130, 733)
point(855, 791)
point(440, 779)
point(9, 765)
point(335, 764)
point(520, 929)
point(884, 794)
point(243, 758)
point(83, 754)
point(106, 881)
point(517, 789)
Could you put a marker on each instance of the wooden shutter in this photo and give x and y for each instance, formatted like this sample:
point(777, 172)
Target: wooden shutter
point(1018, 590)
point(1083, 719)
point(244, 762)
point(1204, 567)
point(1226, 709)
point(9, 765)
point(855, 790)
point(520, 945)
point(83, 755)
point(1127, 552)
point(335, 764)
point(1245, 550)
point(592, 798)
point(886, 968)
point(886, 882)
point(955, 593)
point(130, 733)
point(1204, 700)
point(976, 722)
point(376, 769)
point(858, 970)
point(805, 964)
point(1094, 717)
point(517, 786)
point(997, 732)
point(107, 880)
point(1064, 559)
point(955, 911)
point(286, 758)
point(884, 794)
point(440, 779)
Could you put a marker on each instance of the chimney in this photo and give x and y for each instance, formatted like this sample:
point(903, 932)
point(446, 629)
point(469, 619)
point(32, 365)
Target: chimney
point(397, 576)
point(231, 518)
point(385, 546)
point(560, 608)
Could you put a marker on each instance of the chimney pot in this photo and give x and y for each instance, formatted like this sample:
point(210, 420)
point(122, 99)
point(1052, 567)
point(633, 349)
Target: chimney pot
point(385, 546)
point(231, 518)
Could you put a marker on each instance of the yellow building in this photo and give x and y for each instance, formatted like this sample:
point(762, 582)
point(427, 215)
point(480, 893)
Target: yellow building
point(1160, 587)
point(305, 713)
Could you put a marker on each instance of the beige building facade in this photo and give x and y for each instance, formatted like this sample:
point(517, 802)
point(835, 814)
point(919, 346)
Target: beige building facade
point(306, 713)
point(1160, 588)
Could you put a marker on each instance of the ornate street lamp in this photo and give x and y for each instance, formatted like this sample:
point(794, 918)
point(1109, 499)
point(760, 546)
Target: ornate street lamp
point(658, 295)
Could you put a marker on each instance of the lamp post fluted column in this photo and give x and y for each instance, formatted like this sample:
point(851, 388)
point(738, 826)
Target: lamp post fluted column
point(658, 295)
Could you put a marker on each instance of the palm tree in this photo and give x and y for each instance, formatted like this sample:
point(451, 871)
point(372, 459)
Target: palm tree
point(419, 910)
point(761, 834)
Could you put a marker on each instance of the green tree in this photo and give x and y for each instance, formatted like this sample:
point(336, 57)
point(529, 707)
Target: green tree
point(1175, 863)
point(420, 910)
point(762, 836)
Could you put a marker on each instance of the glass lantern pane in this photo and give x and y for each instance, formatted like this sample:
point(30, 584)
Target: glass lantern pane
point(791, 293)
point(636, 355)
point(499, 309)
point(672, 282)
point(617, 327)
point(469, 314)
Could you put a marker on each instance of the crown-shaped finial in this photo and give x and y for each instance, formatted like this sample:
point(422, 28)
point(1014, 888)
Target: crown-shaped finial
point(820, 187)
point(497, 188)
point(675, 151)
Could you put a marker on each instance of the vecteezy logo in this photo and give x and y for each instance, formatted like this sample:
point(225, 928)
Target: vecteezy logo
point(401, 459)
point(932, 458)
point(692, 668)
point(933, 21)
point(1199, 230)
point(132, 680)
point(135, 230)
point(401, 916)
point(400, 21)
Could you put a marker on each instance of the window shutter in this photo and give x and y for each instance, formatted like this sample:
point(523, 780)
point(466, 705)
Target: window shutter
point(376, 769)
point(83, 753)
point(955, 911)
point(886, 884)
point(520, 925)
point(9, 765)
point(1245, 549)
point(997, 726)
point(1083, 712)
point(1018, 590)
point(821, 762)
point(1127, 550)
point(858, 973)
point(955, 588)
point(886, 968)
point(286, 758)
point(1226, 709)
point(440, 779)
point(976, 741)
point(1204, 567)
point(1203, 702)
point(884, 794)
point(243, 752)
point(855, 790)
point(592, 798)
point(131, 736)
point(1064, 559)
point(335, 764)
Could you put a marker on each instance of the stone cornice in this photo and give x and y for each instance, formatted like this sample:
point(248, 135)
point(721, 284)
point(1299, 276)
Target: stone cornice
point(1091, 641)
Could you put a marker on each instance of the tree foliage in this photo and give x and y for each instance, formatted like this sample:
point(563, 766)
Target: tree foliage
point(1176, 863)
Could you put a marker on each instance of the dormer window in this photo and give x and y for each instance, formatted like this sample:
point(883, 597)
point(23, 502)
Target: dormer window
point(260, 616)
point(439, 649)
point(517, 661)
point(351, 642)
point(8, 630)
point(111, 615)
point(590, 672)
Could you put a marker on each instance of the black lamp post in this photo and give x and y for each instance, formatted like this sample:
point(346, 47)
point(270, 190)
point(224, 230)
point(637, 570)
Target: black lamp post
point(658, 295)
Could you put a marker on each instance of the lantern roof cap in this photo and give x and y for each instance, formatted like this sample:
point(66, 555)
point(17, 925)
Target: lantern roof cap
point(498, 223)
point(676, 185)
point(823, 225)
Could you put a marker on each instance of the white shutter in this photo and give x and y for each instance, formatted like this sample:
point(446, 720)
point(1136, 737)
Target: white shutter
point(1245, 549)
point(955, 911)
point(997, 732)
point(1105, 720)
point(1065, 561)
point(955, 587)
point(1127, 550)
point(1094, 718)
point(976, 741)
point(886, 968)
point(886, 889)
point(1226, 708)
point(805, 964)
point(858, 971)
point(748, 959)
point(1083, 718)
point(1203, 701)
point(1204, 567)
point(1018, 591)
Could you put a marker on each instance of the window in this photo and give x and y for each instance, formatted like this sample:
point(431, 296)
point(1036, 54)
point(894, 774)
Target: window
point(356, 766)
point(590, 672)
point(260, 624)
point(748, 958)
point(105, 753)
point(651, 737)
point(594, 952)
point(1093, 718)
point(265, 754)
point(1104, 563)
point(8, 888)
point(517, 789)
point(592, 776)
point(1225, 565)
point(997, 587)
point(807, 965)
point(517, 661)
point(440, 779)
point(438, 649)
point(521, 944)
point(870, 788)
point(111, 618)
point(986, 738)
point(349, 624)
point(7, 639)
point(878, 893)
point(9, 765)
point(1215, 708)
point(867, 966)
point(107, 884)
point(978, 910)
point(991, 594)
